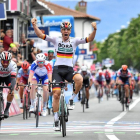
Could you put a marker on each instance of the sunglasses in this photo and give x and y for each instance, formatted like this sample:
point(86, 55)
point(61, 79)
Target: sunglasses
point(40, 62)
point(5, 61)
point(66, 29)
point(25, 69)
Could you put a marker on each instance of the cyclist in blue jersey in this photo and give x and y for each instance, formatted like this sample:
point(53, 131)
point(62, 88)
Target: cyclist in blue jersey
point(22, 79)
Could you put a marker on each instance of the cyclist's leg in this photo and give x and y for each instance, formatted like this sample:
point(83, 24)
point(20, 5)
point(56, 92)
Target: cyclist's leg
point(71, 76)
point(35, 80)
point(126, 82)
point(10, 97)
point(45, 95)
point(56, 95)
point(86, 83)
point(120, 82)
point(22, 81)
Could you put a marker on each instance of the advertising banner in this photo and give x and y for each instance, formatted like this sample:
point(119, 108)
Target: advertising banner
point(90, 57)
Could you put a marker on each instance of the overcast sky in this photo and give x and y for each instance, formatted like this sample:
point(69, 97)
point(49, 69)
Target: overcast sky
point(114, 14)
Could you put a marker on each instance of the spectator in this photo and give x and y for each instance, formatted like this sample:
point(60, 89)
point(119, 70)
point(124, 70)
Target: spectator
point(15, 50)
point(39, 51)
point(31, 51)
point(8, 41)
point(1, 39)
point(23, 39)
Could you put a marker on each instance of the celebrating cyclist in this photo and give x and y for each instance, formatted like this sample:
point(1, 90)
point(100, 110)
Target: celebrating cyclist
point(8, 70)
point(87, 81)
point(124, 77)
point(22, 79)
point(63, 68)
point(40, 69)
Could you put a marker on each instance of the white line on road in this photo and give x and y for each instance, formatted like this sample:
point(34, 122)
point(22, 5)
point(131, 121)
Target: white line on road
point(112, 137)
point(112, 121)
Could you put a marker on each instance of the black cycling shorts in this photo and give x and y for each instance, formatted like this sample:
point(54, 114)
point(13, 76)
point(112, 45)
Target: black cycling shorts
point(108, 81)
point(62, 73)
point(6, 80)
point(86, 83)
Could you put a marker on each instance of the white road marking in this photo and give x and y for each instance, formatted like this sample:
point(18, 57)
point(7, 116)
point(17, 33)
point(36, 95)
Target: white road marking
point(114, 120)
point(112, 137)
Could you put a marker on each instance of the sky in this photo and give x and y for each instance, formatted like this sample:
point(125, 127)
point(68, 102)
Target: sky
point(114, 14)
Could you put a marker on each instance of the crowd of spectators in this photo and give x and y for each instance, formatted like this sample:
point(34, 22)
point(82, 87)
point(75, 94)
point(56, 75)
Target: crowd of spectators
point(23, 50)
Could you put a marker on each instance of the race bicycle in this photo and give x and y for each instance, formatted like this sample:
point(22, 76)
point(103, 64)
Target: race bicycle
point(63, 110)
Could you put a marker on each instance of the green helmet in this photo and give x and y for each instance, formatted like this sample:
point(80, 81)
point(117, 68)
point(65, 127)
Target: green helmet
point(50, 51)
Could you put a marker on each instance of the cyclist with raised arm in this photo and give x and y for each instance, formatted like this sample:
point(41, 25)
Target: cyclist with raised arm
point(40, 69)
point(8, 70)
point(63, 68)
point(124, 77)
point(22, 79)
point(87, 81)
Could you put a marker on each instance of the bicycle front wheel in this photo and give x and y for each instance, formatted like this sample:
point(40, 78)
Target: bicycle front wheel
point(24, 107)
point(62, 120)
point(1, 110)
point(83, 99)
point(37, 112)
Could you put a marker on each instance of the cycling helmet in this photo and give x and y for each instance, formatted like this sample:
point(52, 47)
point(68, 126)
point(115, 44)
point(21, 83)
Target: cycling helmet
point(100, 72)
point(65, 25)
point(40, 57)
point(6, 55)
point(25, 65)
point(84, 68)
point(50, 51)
point(46, 54)
point(124, 67)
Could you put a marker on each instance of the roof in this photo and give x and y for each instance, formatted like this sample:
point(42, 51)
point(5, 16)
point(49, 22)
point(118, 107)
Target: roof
point(60, 10)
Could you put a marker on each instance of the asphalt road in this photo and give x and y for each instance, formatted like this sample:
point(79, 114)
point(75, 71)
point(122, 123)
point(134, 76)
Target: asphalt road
point(104, 121)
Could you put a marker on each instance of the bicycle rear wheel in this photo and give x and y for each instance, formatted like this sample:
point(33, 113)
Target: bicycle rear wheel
point(24, 107)
point(99, 95)
point(1, 110)
point(62, 119)
point(28, 106)
point(83, 99)
point(37, 112)
point(122, 98)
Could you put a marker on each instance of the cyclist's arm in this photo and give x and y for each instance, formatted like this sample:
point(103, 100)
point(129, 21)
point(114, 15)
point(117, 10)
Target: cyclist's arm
point(30, 76)
point(13, 70)
point(92, 35)
point(17, 81)
point(117, 80)
point(49, 69)
point(130, 81)
point(33, 67)
point(43, 36)
point(91, 82)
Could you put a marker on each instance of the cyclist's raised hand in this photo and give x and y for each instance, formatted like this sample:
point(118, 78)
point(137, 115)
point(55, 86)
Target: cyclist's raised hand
point(94, 25)
point(34, 21)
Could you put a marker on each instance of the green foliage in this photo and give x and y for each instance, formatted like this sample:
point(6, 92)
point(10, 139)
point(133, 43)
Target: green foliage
point(123, 47)
point(77, 7)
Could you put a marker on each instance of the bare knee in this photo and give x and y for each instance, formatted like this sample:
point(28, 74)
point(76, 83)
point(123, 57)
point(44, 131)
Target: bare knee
point(78, 79)
point(56, 95)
